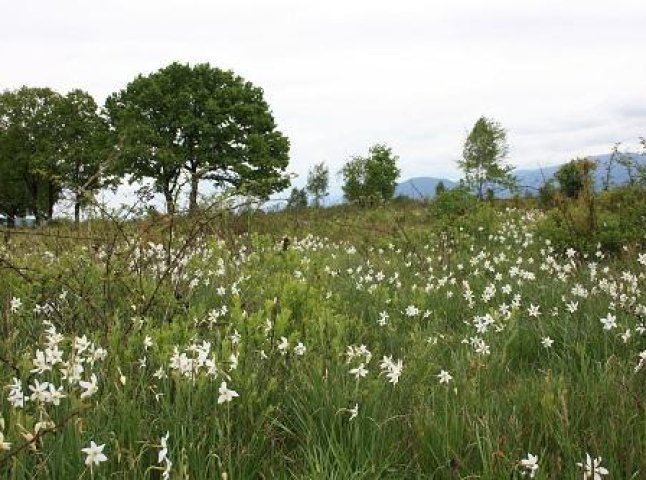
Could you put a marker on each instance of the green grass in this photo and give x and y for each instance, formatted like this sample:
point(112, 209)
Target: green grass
point(292, 418)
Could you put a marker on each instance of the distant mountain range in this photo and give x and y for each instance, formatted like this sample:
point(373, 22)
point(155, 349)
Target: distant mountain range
point(422, 187)
point(528, 179)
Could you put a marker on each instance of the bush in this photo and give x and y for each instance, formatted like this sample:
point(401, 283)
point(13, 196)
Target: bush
point(620, 220)
point(454, 203)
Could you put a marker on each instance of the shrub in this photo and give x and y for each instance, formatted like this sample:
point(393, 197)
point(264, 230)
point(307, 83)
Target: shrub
point(454, 203)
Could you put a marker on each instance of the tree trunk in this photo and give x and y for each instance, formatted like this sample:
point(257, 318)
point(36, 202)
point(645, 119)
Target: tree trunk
point(170, 201)
point(77, 210)
point(192, 199)
point(480, 190)
point(33, 193)
point(51, 200)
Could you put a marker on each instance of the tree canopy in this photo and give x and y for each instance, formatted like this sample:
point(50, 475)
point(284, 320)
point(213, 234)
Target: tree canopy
point(483, 158)
point(317, 182)
point(297, 199)
point(574, 175)
point(49, 143)
point(29, 151)
point(371, 179)
point(86, 148)
point(198, 123)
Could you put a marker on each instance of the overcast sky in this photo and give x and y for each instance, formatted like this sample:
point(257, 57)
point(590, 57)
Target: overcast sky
point(564, 78)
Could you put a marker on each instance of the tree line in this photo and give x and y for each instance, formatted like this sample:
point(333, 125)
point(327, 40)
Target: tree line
point(179, 125)
point(183, 125)
point(372, 179)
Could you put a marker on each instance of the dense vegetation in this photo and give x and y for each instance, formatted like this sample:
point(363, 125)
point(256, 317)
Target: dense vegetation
point(451, 339)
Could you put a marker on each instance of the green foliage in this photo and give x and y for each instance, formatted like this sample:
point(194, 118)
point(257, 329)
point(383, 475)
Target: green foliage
point(547, 195)
point(297, 198)
point(620, 220)
point(372, 179)
point(226, 308)
point(635, 170)
point(453, 203)
point(317, 182)
point(30, 161)
point(483, 158)
point(574, 175)
point(86, 148)
point(440, 188)
point(202, 122)
point(50, 143)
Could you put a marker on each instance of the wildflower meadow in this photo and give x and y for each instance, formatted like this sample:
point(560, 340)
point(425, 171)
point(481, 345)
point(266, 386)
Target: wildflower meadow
point(345, 344)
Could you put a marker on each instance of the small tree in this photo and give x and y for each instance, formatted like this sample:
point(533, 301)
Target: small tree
point(635, 169)
point(297, 198)
point(483, 158)
point(317, 182)
point(440, 188)
point(574, 175)
point(373, 178)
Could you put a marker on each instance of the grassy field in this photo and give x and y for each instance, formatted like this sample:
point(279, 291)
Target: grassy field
point(324, 344)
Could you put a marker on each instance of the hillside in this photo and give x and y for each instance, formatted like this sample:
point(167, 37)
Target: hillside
point(528, 179)
point(420, 187)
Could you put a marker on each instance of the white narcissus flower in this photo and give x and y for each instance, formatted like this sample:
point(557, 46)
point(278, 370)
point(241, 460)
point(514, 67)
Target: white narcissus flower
point(283, 346)
point(592, 468)
point(360, 371)
point(94, 454)
point(547, 342)
point(444, 377)
point(81, 344)
point(300, 349)
point(40, 363)
point(609, 322)
point(392, 370)
point(4, 446)
point(40, 391)
point(90, 387)
point(533, 311)
point(226, 395)
point(56, 394)
point(164, 448)
point(15, 304)
point(16, 396)
point(530, 465)
point(411, 311)
point(354, 411)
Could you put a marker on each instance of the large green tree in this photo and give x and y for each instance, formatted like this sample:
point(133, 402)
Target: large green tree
point(86, 148)
point(483, 158)
point(30, 151)
point(373, 178)
point(49, 143)
point(199, 123)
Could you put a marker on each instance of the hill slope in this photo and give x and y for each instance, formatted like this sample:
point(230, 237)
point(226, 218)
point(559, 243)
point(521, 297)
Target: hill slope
point(528, 179)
